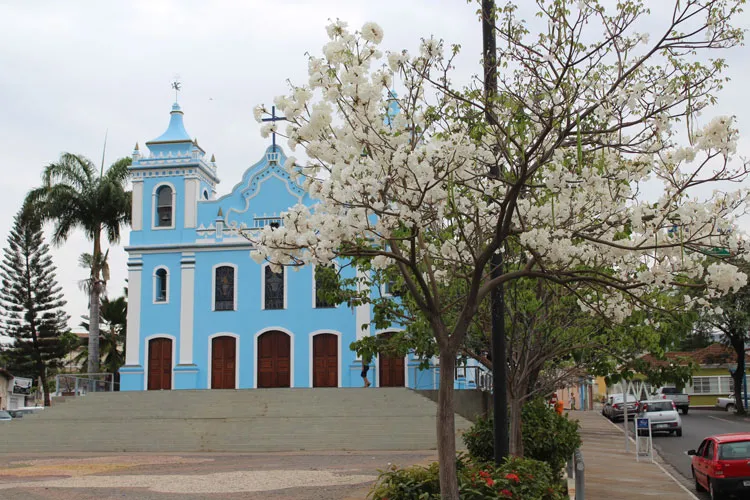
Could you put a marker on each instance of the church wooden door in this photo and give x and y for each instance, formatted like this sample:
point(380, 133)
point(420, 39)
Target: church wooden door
point(390, 368)
point(223, 362)
point(273, 359)
point(159, 364)
point(391, 371)
point(325, 360)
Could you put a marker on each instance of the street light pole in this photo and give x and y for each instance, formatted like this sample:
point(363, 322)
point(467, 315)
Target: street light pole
point(497, 299)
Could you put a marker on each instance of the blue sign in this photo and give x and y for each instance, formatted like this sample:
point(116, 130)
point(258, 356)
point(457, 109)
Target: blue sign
point(641, 423)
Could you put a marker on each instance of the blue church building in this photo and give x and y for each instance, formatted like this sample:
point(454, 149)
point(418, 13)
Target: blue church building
point(202, 314)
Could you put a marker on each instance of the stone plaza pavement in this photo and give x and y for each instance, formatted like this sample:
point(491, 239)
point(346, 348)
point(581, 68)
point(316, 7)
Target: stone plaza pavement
point(197, 476)
point(612, 474)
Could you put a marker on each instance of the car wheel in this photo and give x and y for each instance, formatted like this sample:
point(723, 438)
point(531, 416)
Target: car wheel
point(730, 407)
point(678, 432)
point(684, 411)
point(698, 486)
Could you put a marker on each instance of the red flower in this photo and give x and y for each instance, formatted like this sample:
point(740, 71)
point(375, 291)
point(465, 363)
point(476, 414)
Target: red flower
point(506, 493)
point(490, 482)
point(513, 477)
point(484, 474)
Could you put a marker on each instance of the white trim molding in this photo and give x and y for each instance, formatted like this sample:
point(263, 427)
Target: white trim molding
point(255, 353)
point(236, 357)
point(132, 349)
point(155, 287)
point(145, 356)
point(136, 212)
point(192, 186)
point(154, 214)
point(338, 352)
point(187, 307)
point(263, 287)
point(213, 283)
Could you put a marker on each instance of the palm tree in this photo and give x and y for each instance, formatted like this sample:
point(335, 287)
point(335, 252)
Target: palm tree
point(74, 195)
point(113, 317)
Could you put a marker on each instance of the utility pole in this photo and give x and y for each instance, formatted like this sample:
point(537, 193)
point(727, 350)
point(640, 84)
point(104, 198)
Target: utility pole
point(497, 300)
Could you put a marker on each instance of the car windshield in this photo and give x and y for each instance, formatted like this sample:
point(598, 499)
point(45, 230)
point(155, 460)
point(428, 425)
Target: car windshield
point(669, 390)
point(658, 406)
point(4, 414)
point(618, 399)
point(739, 450)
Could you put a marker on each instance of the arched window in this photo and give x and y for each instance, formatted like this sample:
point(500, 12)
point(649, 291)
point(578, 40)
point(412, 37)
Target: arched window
point(160, 286)
point(205, 194)
point(274, 289)
point(224, 289)
point(164, 207)
point(326, 281)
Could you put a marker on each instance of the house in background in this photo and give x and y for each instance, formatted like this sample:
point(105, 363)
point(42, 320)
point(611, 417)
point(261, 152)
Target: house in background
point(712, 379)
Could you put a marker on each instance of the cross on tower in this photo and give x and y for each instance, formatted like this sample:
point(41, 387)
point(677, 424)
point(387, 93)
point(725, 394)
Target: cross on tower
point(273, 119)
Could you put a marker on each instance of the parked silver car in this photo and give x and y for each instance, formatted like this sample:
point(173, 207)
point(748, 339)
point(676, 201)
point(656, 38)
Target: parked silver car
point(5, 416)
point(614, 409)
point(662, 416)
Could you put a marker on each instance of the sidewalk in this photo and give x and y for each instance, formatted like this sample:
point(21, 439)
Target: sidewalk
point(611, 473)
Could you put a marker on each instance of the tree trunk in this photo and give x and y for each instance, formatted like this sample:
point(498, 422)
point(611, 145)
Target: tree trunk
point(446, 428)
point(739, 376)
point(516, 438)
point(45, 389)
point(94, 297)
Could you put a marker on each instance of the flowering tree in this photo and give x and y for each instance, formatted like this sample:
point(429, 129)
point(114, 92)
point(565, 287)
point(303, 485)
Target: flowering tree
point(584, 124)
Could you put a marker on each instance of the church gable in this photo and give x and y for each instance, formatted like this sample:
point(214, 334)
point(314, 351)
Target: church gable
point(264, 193)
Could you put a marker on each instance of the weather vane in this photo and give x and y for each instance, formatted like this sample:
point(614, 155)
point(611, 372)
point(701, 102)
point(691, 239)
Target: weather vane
point(177, 86)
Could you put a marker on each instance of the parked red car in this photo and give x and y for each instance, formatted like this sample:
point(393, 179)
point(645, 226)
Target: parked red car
point(721, 465)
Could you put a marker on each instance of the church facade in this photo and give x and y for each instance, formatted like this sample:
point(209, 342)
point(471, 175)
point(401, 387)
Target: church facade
point(202, 314)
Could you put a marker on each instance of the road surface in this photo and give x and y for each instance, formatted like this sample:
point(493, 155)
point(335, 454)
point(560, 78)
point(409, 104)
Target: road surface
point(696, 425)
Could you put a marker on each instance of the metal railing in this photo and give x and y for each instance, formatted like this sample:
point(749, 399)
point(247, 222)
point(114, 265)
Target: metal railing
point(69, 384)
point(576, 470)
point(475, 377)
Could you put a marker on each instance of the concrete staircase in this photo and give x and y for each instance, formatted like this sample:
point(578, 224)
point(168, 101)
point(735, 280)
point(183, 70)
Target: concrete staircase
point(252, 420)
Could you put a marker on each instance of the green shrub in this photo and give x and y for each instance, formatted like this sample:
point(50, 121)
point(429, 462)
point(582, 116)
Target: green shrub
point(479, 440)
point(546, 435)
point(520, 478)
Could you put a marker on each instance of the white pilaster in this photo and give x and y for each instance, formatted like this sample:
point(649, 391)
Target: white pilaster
point(137, 210)
point(191, 202)
point(362, 311)
point(132, 354)
point(187, 300)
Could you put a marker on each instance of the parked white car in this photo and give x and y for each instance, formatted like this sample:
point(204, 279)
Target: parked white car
point(5, 416)
point(726, 403)
point(662, 416)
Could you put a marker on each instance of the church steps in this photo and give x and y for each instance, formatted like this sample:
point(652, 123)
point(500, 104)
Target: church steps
point(232, 421)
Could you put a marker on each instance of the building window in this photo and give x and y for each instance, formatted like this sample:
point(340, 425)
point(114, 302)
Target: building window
point(325, 279)
point(205, 194)
point(164, 207)
point(274, 289)
point(224, 289)
point(160, 290)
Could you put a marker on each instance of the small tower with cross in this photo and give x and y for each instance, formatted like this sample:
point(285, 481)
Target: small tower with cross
point(273, 119)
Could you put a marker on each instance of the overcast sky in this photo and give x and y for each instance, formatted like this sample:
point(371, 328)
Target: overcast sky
point(69, 71)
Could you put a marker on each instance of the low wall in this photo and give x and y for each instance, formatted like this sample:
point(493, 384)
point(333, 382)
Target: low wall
point(470, 403)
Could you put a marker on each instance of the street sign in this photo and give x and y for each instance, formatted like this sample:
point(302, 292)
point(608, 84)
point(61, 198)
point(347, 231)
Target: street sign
point(644, 446)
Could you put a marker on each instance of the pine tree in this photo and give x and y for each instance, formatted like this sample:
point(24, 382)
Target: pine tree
point(31, 303)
